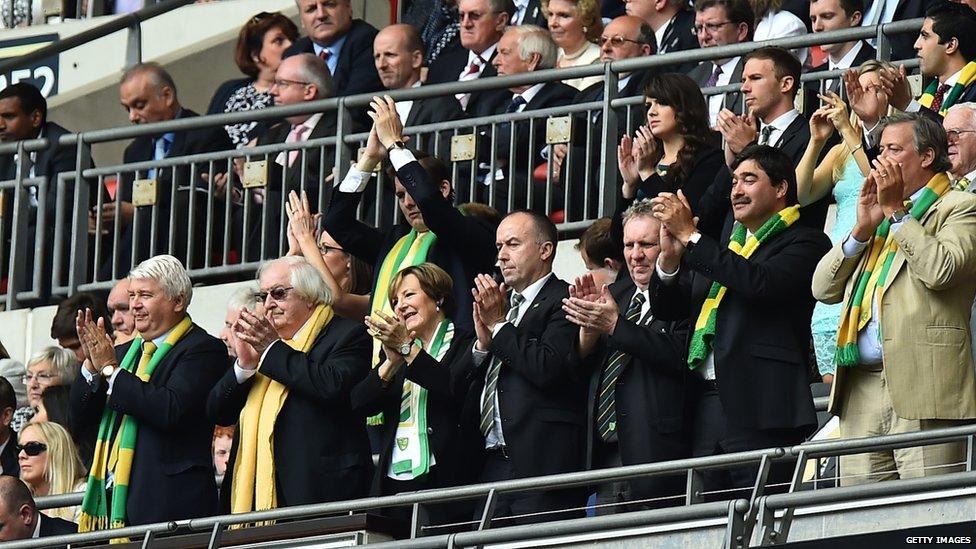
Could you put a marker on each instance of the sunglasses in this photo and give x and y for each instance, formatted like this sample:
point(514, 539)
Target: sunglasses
point(33, 448)
point(277, 294)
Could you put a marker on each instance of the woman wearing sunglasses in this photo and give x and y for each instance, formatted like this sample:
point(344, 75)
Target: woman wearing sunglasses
point(49, 464)
point(418, 388)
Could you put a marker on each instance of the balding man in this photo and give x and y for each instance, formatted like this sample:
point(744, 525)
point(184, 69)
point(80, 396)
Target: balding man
point(148, 94)
point(19, 517)
point(960, 127)
point(672, 22)
point(123, 324)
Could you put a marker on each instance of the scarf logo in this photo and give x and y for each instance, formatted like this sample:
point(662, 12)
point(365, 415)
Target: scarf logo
point(402, 443)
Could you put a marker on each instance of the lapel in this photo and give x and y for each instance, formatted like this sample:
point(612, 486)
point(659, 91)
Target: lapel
point(179, 138)
point(732, 99)
point(791, 131)
point(899, 259)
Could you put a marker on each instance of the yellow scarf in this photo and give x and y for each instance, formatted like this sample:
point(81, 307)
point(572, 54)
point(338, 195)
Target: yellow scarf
point(253, 487)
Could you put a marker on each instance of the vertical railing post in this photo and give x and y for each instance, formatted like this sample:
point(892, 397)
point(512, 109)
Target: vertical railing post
point(884, 45)
point(78, 233)
point(343, 158)
point(133, 46)
point(608, 145)
point(18, 228)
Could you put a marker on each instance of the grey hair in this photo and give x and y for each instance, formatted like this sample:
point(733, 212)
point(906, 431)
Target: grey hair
point(313, 69)
point(533, 39)
point(971, 107)
point(169, 273)
point(62, 360)
point(640, 208)
point(929, 134)
point(304, 279)
point(243, 298)
point(158, 76)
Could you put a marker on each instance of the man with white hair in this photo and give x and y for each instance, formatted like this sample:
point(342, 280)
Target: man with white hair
point(152, 460)
point(242, 298)
point(960, 127)
point(298, 438)
point(523, 48)
point(123, 325)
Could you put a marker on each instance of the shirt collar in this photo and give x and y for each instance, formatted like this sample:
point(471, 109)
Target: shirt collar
point(159, 340)
point(951, 81)
point(37, 527)
point(729, 66)
point(530, 93)
point(485, 55)
point(312, 121)
point(784, 120)
point(334, 48)
point(532, 290)
point(848, 60)
point(971, 176)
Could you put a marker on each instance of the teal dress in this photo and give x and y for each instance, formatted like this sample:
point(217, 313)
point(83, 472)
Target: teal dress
point(825, 319)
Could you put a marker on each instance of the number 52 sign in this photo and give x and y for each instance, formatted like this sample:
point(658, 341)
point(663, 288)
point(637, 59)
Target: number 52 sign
point(43, 74)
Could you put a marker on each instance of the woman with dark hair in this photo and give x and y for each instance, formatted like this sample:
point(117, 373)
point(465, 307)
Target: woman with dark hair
point(260, 44)
point(54, 408)
point(671, 151)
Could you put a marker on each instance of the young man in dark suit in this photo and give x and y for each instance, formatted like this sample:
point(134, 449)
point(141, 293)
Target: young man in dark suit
point(722, 23)
point(524, 387)
point(19, 517)
point(639, 381)
point(831, 15)
point(171, 474)
point(750, 359)
point(673, 22)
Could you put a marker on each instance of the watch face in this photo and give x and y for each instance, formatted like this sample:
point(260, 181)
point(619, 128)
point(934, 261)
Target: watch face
point(108, 370)
point(405, 349)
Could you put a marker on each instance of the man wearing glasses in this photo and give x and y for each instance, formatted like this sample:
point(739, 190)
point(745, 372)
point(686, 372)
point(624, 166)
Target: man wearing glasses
point(721, 23)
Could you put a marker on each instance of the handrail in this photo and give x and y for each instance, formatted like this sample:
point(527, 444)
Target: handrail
point(126, 21)
point(804, 498)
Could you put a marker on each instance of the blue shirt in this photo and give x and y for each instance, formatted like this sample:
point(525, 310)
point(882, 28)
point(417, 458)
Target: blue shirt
point(335, 49)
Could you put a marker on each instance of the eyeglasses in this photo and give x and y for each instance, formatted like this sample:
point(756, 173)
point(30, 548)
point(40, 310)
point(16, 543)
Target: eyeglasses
point(954, 135)
point(277, 294)
point(710, 27)
point(617, 41)
point(325, 248)
point(282, 83)
point(42, 379)
point(32, 448)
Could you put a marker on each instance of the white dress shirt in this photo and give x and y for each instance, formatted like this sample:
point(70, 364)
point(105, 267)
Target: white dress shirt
point(403, 107)
point(717, 102)
point(779, 124)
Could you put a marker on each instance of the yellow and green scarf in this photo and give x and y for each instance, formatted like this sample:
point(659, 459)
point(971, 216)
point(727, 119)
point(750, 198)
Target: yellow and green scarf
point(872, 273)
point(966, 77)
point(410, 250)
point(116, 456)
point(701, 338)
point(253, 486)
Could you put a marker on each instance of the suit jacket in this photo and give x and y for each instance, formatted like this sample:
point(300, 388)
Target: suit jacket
point(320, 444)
point(708, 162)
point(8, 459)
point(465, 245)
point(678, 37)
point(534, 15)
point(172, 473)
point(434, 110)
point(651, 392)
point(446, 383)
point(924, 312)
point(762, 326)
point(733, 100)
point(355, 72)
point(447, 68)
point(866, 53)
point(540, 393)
point(54, 526)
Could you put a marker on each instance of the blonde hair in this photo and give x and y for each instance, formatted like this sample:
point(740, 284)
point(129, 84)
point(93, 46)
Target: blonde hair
point(588, 12)
point(64, 468)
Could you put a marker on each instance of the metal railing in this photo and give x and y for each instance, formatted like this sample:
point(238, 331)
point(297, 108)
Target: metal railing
point(217, 237)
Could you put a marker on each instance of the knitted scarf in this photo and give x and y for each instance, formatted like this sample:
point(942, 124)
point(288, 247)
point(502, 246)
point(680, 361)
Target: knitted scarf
point(872, 273)
point(701, 338)
point(253, 487)
point(966, 77)
point(410, 250)
point(411, 452)
point(116, 456)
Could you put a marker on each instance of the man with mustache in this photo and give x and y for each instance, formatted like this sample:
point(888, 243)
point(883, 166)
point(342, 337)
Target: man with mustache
point(748, 298)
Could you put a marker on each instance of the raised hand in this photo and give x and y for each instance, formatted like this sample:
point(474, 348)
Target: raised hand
point(890, 184)
point(491, 298)
point(386, 121)
point(627, 166)
point(894, 82)
point(645, 152)
point(737, 130)
point(598, 316)
point(584, 287)
point(256, 330)
point(675, 214)
point(869, 213)
point(821, 127)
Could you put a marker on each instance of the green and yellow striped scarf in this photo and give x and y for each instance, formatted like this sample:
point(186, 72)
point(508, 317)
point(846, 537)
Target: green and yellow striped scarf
point(872, 273)
point(701, 338)
point(966, 77)
point(117, 456)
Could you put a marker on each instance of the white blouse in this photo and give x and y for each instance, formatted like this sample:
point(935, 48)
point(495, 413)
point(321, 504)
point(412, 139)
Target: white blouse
point(588, 55)
point(781, 24)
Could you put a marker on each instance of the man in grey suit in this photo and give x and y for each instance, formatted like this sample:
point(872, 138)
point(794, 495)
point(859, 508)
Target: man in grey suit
point(720, 23)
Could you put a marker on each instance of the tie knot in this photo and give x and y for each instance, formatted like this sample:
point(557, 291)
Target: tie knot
point(517, 102)
point(517, 299)
point(298, 130)
point(638, 299)
point(764, 134)
point(325, 54)
point(148, 348)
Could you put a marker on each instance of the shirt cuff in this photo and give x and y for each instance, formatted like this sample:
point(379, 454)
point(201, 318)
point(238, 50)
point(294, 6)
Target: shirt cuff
point(665, 277)
point(400, 158)
point(355, 181)
point(89, 377)
point(241, 374)
point(477, 354)
point(853, 246)
point(498, 326)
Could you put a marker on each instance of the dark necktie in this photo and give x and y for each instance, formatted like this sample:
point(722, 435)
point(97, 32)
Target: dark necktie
point(764, 135)
point(491, 380)
point(939, 97)
point(606, 418)
point(713, 78)
point(516, 103)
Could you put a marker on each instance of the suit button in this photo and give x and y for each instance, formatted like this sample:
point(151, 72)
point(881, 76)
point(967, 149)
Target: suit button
point(430, 430)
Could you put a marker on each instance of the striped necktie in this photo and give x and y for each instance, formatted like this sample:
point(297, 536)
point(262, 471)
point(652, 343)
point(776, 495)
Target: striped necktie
point(764, 135)
point(491, 381)
point(606, 419)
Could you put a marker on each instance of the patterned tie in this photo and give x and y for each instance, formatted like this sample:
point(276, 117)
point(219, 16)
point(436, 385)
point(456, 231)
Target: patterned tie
point(713, 78)
point(294, 136)
point(475, 66)
point(764, 135)
point(491, 380)
point(961, 184)
point(148, 348)
point(939, 97)
point(606, 419)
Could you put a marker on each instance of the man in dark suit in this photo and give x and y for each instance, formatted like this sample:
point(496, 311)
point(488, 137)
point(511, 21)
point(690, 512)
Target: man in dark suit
point(878, 12)
point(482, 23)
point(463, 245)
point(315, 434)
point(638, 375)
point(23, 115)
point(831, 15)
point(172, 465)
point(149, 94)
point(9, 464)
point(539, 51)
point(524, 388)
point(343, 42)
point(19, 517)
point(529, 12)
point(672, 22)
point(750, 359)
point(300, 78)
point(721, 23)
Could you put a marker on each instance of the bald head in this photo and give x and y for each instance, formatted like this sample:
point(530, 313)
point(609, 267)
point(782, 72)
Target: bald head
point(18, 512)
point(398, 54)
point(626, 37)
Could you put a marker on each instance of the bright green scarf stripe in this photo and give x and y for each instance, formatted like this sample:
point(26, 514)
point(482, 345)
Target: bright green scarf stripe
point(966, 77)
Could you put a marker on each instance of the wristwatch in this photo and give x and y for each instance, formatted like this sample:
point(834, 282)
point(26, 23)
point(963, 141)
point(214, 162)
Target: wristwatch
point(898, 216)
point(405, 348)
point(398, 144)
point(108, 370)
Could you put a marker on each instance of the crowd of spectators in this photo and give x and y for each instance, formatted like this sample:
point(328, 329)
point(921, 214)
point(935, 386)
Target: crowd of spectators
point(440, 351)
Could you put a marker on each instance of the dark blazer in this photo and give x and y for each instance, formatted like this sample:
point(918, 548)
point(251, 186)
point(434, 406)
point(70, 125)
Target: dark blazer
point(540, 394)
point(8, 459)
point(733, 100)
point(448, 67)
point(534, 15)
point(762, 330)
point(866, 53)
point(355, 72)
point(172, 474)
point(465, 245)
point(320, 444)
point(142, 149)
point(447, 384)
point(678, 37)
point(708, 162)
point(318, 164)
point(54, 526)
point(651, 392)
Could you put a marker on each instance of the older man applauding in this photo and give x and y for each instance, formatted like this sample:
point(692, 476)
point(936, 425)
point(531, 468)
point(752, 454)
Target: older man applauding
point(298, 439)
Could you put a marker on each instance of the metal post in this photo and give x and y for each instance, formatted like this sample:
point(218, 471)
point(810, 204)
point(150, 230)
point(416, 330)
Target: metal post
point(884, 45)
point(18, 228)
point(608, 146)
point(133, 45)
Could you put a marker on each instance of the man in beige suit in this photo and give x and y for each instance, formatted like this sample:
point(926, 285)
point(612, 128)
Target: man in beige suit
point(904, 354)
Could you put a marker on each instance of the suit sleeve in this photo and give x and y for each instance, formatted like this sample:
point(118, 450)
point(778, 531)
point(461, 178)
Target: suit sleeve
point(671, 301)
point(832, 274)
point(370, 397)
point(941, 260)
point(87, 403)
point(663, 347)
point(329, 380)
point(356, 237)
point(542, 361)
point(227, 399)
